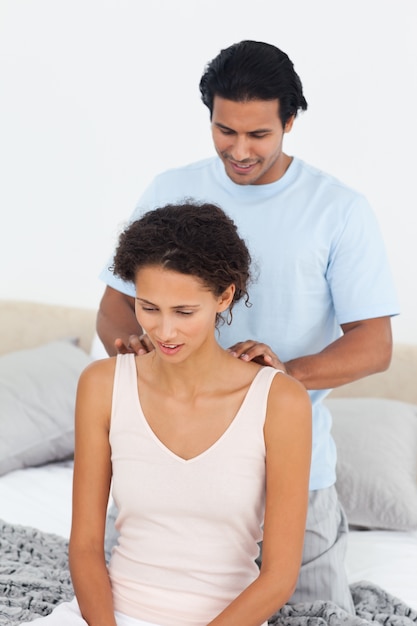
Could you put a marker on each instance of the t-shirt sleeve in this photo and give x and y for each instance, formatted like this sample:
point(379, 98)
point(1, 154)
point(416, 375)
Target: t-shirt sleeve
point(358, 273)
point(146, 203)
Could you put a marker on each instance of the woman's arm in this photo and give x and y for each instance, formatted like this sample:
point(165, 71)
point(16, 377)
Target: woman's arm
point(91, 486)
point(288, 456)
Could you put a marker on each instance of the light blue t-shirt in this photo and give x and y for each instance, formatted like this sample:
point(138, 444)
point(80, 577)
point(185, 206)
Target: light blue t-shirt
point(319, 261)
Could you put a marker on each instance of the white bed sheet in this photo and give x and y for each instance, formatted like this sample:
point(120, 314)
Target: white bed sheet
point(38, 497)
point(41, 497)
point(387, 558)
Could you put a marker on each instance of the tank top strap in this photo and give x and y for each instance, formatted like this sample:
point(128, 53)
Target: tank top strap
point(256, 400)
point(125, 386)
point(263, 380)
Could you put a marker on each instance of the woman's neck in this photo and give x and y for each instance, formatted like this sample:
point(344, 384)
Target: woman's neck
point(198, 373)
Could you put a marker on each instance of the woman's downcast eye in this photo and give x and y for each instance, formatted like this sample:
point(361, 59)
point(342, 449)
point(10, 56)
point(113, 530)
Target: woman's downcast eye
point(150, 309)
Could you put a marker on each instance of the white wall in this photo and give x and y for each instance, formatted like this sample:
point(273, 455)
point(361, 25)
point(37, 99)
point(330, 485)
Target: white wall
point(96, 96)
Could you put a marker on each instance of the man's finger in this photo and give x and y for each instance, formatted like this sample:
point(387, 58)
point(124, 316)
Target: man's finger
point(121, 347)
point(146, 343)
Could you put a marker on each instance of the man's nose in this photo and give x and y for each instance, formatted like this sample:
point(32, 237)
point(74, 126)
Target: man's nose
point(241, 148)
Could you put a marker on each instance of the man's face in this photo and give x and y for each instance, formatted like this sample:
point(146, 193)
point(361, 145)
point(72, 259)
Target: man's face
point(248, 138)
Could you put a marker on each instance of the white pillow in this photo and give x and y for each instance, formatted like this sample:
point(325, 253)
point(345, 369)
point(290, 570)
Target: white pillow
point(97, 351)
point(376, 443)
point(37, 400)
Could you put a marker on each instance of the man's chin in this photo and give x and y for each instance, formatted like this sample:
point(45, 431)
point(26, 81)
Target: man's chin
point(240, 178)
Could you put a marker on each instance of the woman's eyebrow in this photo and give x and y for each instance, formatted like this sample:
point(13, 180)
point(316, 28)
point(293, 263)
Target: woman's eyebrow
point(143, 300)
point(177, 306)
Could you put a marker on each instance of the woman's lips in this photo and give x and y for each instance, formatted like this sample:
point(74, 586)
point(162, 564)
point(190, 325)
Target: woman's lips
point(169, 348)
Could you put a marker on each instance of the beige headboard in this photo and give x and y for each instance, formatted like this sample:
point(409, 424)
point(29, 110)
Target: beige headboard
point(29, 324)
point(399, 382)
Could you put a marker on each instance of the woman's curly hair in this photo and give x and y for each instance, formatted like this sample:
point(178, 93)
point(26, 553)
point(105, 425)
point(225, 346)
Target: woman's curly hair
point(195, 239)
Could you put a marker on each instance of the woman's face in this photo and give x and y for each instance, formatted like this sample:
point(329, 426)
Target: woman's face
point(177, 311)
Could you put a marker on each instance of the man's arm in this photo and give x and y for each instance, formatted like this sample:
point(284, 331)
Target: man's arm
point(364, 348)
point(117, 326)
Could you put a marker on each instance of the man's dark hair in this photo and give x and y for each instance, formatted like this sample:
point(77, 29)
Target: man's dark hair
point(253, 70)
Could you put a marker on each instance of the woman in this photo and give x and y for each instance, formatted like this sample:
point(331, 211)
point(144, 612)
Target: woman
point(208, 455)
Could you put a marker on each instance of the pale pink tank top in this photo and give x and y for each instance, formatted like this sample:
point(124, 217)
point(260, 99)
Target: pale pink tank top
point(189, 528)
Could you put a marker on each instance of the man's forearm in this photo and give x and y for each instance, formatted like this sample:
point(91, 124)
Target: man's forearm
point(116, 319)
point(365, 348)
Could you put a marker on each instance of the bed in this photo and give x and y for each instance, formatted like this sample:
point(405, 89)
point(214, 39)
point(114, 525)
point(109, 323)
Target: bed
point(43, 349)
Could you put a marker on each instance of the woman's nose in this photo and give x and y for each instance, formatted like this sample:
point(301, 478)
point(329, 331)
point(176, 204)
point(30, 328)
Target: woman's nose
point(166, 329)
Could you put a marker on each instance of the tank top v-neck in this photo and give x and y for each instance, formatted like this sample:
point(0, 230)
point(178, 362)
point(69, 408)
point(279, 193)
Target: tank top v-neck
point(189, 529)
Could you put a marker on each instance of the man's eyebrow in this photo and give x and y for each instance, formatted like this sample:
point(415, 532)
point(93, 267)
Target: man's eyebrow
point(249, 132)
point(219, 125)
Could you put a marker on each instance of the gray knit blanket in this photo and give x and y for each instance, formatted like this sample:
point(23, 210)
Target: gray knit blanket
point(34, 578)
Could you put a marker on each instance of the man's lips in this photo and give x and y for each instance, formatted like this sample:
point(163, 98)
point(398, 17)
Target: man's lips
point(242, 167)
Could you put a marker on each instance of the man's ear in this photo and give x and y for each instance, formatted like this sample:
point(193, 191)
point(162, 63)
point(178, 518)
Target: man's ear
point(226, 298)
point(289, 123)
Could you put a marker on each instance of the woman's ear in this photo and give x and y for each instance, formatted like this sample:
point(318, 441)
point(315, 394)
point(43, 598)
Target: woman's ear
point(226, 298)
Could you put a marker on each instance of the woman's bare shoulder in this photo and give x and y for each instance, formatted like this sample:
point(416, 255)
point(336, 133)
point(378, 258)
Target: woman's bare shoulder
point(95, 391)
point(288, 397)
point(98, 372)
point(285, 385)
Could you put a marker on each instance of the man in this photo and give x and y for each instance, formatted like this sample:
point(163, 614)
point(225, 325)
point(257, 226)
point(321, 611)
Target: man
point(323, 297)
